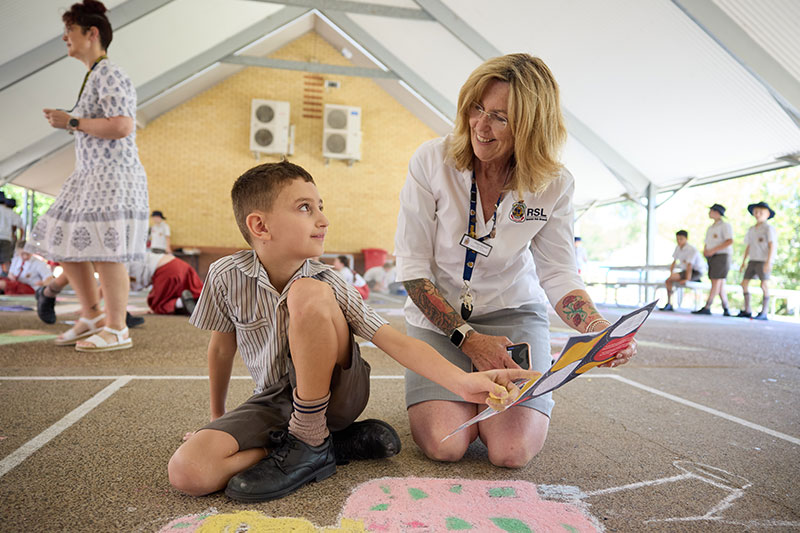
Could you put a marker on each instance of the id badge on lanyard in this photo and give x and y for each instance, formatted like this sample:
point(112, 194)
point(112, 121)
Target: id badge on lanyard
point(474, 245)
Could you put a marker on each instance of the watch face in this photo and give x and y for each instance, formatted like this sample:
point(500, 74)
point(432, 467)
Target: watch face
point(73, 122)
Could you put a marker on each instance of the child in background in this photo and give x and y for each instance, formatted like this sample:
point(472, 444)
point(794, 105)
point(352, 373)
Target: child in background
point(762, 246)
point(27, 272)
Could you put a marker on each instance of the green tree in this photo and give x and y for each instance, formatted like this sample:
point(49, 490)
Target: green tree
point(42, 202)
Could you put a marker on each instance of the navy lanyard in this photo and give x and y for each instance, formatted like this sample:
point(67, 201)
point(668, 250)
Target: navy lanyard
point(471, 254)
point(85, 78)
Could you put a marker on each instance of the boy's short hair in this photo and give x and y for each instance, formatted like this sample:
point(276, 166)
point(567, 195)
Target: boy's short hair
point(343, 259)
point(258, 188)
point(682, 233)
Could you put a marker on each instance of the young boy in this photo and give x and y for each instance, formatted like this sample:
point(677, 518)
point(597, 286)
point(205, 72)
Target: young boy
point(293, 322)
point(26, 273)
point(692, 265)
point(718, 250)
point(761, 241)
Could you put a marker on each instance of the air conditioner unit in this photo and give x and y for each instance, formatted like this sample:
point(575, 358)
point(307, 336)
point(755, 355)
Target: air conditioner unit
point(341, 132)
point(269, 126)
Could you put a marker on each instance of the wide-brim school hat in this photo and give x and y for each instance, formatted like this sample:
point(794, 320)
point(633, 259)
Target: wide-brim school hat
point(718, 208)
point(158, 214)
point(765, 205)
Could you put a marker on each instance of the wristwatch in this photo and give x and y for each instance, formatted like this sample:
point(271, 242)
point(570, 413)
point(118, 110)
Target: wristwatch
point(73, 124)
point(460, 334)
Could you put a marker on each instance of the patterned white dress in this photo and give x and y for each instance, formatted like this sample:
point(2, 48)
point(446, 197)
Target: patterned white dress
point(102, 211)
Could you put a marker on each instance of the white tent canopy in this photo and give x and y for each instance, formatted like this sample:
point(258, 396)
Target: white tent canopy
point(657, 93)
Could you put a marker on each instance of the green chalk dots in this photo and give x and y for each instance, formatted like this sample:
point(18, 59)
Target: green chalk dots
point(182, 525)
point(570, 528)
point(502, 492)
point(456, 524)
point(512, 525)
point(456, 489)
point(417, 494)
point(379, 507)
point(385, 489)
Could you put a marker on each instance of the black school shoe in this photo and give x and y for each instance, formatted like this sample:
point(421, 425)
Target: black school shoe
point(45, 307)
point(744, 314)
point(368, 439)
point(703, 311)
point(667, 307)
point(189, 301)
point(289, 466)
point(133, 321)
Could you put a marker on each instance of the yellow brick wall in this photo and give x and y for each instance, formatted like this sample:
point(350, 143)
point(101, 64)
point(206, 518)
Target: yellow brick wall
point(195, 152)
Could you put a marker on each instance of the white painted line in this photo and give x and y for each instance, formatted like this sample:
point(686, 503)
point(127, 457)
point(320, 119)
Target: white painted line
point(678, 399)
point(25, 451)
point(700, 407)
point(145, 377)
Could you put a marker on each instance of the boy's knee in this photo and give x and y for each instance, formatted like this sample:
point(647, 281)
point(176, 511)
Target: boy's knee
point(308, 294)
point(185, 476)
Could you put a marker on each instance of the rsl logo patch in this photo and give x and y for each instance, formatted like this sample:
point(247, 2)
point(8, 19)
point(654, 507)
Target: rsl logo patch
point(520, 213)
point(517, 212)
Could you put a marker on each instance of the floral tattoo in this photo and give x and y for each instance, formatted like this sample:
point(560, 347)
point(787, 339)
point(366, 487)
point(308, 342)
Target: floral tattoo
point(577, 310)
point(430, 301)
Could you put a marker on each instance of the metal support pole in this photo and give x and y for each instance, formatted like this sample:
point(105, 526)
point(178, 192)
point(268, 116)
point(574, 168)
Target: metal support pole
point(652, 232)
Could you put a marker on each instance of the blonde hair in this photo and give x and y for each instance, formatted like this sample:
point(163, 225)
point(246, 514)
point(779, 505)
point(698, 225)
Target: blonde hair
point(534, 116)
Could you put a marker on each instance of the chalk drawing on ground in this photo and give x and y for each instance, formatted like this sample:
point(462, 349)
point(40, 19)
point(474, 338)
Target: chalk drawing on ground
point(734, 486)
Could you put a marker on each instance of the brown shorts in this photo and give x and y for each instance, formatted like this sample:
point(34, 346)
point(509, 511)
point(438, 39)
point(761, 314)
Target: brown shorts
point(695, 275)
point(251, 422)
point(755, 269)
point(718, 266)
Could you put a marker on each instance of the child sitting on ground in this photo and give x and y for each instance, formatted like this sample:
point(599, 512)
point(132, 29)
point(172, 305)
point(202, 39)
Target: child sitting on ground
point(293, 321)
point(761, 241)
point(27, 272)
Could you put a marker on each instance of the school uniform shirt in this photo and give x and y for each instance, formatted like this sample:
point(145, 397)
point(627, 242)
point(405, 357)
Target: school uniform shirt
point(434, 216)
point(758, 238)
point(142, 271)
point(688, 255)
point(719, 232)
point(29, 272)
point(158, 236)
point(238, 296)
point(8, 219)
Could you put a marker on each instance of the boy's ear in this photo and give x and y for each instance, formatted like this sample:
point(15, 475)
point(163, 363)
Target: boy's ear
point(257, 225)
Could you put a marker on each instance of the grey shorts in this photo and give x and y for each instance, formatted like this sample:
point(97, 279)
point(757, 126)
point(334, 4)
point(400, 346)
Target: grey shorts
point(528, 323)
point(718, 266)
point(755, 269)
point(6, 250)
point(251, 422)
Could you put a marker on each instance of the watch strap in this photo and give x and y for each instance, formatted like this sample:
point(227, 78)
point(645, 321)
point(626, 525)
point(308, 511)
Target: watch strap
point(459, 334)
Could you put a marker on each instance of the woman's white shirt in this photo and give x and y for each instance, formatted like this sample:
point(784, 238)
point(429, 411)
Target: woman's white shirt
point(434, 205)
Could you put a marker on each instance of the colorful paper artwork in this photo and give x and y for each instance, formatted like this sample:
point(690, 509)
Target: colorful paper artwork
point(580, 354)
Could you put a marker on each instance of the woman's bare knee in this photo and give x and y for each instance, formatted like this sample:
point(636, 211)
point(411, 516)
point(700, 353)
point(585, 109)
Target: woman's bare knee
point(448, 452)
point(514, 456)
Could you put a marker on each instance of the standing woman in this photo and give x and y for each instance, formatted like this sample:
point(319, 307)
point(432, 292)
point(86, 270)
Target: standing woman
point(474, 206)
point(99, 219)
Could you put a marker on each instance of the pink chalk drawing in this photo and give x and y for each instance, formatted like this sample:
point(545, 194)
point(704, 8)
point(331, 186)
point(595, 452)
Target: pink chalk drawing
point(418, 505)
point(428, 504)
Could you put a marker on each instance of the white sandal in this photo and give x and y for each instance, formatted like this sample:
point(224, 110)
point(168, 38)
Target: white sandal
point(69, 337)
point(102, 345)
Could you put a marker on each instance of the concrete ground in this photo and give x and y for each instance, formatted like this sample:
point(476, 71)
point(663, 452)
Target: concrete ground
point(700, 432)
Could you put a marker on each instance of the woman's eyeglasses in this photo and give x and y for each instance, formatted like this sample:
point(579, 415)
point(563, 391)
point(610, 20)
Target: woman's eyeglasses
point(495, 121)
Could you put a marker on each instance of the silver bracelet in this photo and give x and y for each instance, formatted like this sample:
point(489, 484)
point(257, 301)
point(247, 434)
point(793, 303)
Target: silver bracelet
point(593, 322)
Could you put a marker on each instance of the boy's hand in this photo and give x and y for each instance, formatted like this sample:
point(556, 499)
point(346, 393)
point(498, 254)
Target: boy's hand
point(497, 385)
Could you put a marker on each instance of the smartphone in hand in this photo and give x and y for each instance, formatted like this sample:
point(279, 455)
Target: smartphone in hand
point(521, 354)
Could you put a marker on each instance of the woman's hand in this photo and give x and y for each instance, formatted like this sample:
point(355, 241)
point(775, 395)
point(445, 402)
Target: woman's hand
point(623, 356)
point(488, 352)
point(476, 387)
point(57, 118)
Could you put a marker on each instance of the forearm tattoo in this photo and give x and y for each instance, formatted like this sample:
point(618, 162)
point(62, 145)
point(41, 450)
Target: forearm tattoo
point(433, 305)
point(577, 310)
